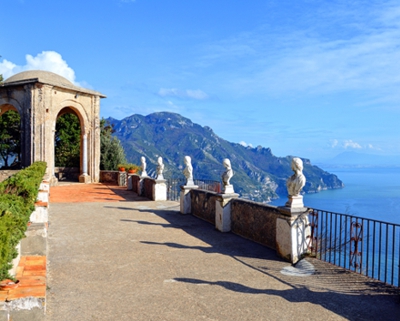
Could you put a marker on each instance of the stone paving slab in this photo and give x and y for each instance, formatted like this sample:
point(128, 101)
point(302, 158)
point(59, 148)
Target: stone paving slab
point(133, 260)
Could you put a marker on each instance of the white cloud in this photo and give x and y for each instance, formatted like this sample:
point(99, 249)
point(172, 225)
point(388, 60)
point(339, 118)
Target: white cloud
point(351, 144)
point(196, 94)
point(47, 60)
point(359, 53)
point(334, 143)
point(244, 144)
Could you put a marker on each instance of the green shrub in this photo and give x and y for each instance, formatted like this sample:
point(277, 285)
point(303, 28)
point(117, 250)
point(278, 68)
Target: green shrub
point(17, 201)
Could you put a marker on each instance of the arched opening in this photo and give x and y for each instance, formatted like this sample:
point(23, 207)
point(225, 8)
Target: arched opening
point(10, 137)
point(67, 145)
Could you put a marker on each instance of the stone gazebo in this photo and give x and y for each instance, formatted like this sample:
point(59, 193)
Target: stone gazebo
point(40, 97)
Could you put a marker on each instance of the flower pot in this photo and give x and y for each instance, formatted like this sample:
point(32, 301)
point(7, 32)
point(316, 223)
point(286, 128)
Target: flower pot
point(132, 171)
point(121, 169)
point(8, 284)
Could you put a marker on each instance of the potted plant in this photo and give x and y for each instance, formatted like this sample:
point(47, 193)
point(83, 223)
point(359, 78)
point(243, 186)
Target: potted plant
point(121, 167)
point(132, 168)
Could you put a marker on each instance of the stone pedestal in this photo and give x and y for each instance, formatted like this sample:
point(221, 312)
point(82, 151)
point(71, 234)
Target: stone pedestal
point(139, 186)
point(84, 178)
point(130, 182)
point(295, 202)
point(122, 179)
point(223, 211)
point(160, 190)
point(185, 199)
point(292, 233)
point(228, 189)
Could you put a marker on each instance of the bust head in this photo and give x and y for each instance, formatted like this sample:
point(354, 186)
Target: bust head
point(159, 160)
point(187, 160)
point(227, 163)
point(143, 159)
point(297, 164)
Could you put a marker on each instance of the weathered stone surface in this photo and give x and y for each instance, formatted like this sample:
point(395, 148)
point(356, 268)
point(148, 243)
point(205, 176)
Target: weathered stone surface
point(203, 204)
point(148, 187)
point(185, 198)
point(109, 177)
point(40, 97)
point(35, 242)
point(255, 221)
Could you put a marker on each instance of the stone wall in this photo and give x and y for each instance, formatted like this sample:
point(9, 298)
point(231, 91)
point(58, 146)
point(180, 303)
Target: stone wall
point(136, 184)
point(148, 184)
point(255, 221)
point(203, 204)
point(4, 174)
point(110, 177)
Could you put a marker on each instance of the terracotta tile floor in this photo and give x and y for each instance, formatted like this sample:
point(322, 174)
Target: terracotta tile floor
point(31, 273)
point(76, 193)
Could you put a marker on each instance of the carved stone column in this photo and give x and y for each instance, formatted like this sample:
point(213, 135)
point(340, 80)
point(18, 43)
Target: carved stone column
point(293, 234)
point(185, 199)
point(223, 211)
point(84, 178)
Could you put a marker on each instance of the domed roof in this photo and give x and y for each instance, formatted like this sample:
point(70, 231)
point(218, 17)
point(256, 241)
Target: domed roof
point(45, 77)
point(42, 76)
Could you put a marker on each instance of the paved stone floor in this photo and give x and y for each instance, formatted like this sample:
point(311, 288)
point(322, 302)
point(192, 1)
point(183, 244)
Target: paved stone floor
point(127, 258)
point(31, 276)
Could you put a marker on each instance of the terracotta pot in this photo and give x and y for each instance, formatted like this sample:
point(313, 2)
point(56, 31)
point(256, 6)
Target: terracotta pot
point(8, 284)
point(122, 169)
point(132, 171)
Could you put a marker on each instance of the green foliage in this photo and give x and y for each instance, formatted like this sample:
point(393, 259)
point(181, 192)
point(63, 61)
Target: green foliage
point(17, 198)
point(67, 141)
point(111, 150)
point(1, 79)
point(259, 175)
point(10, 136)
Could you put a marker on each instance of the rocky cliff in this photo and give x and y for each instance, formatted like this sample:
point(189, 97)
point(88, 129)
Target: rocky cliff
point(259, 175)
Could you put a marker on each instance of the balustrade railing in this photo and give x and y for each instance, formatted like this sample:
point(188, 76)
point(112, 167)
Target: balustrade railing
point(173, 186)
point(366, 246)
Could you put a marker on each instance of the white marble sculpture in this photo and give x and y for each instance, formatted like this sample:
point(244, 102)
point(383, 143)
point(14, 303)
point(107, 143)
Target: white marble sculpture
point(226, 177)
point(188, 171)
point(295, 183)
point(144, 165)
point(160, 168)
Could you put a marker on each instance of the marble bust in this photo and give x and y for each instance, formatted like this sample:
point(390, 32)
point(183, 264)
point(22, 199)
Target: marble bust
point(144, 165)
point(226, 176)
point(188, 171)
point(295, 183)
point(160, 168)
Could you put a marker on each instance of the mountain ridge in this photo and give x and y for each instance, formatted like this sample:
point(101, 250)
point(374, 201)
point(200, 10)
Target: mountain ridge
point(259, 175)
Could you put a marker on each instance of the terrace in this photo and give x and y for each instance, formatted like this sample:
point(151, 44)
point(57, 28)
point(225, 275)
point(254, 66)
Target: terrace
point(113, 255)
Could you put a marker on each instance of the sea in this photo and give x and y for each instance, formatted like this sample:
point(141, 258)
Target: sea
point(370, 192)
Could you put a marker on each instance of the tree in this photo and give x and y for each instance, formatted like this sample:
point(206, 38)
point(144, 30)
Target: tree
point(111, 151)
point(10, 137)
point(67, 141)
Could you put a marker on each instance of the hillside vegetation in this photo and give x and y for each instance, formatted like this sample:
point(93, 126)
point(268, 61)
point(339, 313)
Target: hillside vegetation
point(259, 175)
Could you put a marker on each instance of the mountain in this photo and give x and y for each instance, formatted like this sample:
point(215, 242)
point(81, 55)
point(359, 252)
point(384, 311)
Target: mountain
point(354, 159)
point(259, 175)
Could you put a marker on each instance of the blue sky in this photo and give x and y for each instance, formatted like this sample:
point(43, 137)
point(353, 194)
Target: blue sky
point(306, 78)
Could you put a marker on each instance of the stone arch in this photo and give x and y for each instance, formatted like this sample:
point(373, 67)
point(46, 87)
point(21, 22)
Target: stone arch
point(39, 96)
point(11, 106)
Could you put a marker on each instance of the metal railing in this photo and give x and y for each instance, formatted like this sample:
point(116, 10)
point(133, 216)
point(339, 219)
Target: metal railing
point(362, 245)
point(173, 186)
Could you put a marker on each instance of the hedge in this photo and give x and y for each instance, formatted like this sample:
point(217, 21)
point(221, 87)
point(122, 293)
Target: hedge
point(17, 201)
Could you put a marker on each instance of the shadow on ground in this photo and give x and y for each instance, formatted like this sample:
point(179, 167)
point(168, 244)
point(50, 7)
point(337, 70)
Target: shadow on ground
point(347, 294)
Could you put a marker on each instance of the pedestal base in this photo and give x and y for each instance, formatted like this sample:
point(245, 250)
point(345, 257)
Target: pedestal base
point(84, 178)
point(228, 189)
point(295, 202)
point(223, 211)
point(185, 199)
